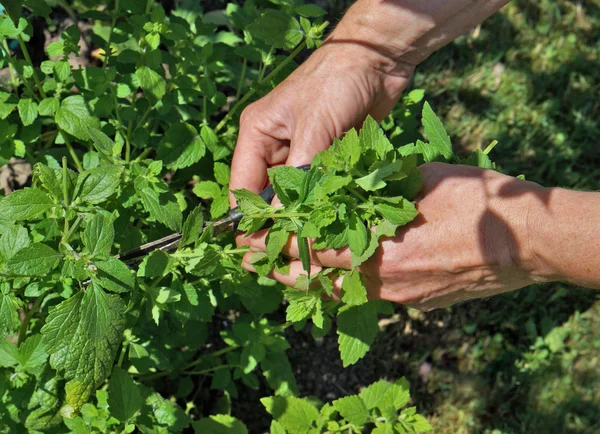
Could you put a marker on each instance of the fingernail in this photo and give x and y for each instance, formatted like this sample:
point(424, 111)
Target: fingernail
point(248, 267)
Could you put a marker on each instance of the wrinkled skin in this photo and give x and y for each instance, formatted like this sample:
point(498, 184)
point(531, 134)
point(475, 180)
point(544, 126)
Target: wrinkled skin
point(470, 240)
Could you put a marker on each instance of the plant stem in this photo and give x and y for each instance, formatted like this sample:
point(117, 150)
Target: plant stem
point(108, 51)
point(148, 6)
point(25, 51)
point(65, 189)
point(357, 194)
point(242, 78)
point(265, 64)
point(11, 69)
point(143, 155)
point(123, 350)
point(258, 84)
point(72, 152)
point(73, 229)
point(278, 215)
point(27, 319)
point(128, 143)
point(204, 99)
point(209, 370)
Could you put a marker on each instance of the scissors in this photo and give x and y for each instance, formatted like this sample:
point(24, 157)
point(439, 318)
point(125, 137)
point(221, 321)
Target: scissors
point(170, 242)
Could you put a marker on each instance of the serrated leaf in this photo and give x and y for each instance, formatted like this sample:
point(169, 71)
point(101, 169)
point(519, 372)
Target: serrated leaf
point(13, 240)
point(399, 213)
point(74, 117)
point(439, 141)
point(55, 49)
point(354, 292)
point(294, 414)
point(32, 353)
point(9, 353)
point(163, 207)
point(156, 264)
point(14, 9)
point(357, 329)
point(222, 173)
point(124, 397)
point(25, 204)
point(277, 238)
point(250, 203)
point(82, 335)
point(101, 141)
point(28, 110)
point(153, 84)
point(220, 424)
point(373, 137)
point(357, 235)
point(48, 106)
point(192, 228)
point(9, 313)
point(207, 190)
point(375, 180)
point(98, 236)
point(353, 409)
point(97, 185)
point(35, 260)
point(181, 146)
point(277, 28)
point(113, 275)
point(301, 304)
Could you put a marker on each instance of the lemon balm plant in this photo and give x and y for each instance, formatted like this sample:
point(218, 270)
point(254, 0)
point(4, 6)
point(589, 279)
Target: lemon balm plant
point(136, 145)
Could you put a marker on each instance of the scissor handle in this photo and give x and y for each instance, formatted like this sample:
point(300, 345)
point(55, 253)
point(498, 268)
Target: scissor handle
point(267, 195)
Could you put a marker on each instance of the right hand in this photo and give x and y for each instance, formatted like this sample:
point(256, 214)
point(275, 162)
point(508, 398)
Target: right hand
point(332, 92)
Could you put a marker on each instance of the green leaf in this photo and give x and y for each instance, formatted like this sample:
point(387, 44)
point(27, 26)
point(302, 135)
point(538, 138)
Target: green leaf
point(357, 329)
point(124, 397)
point(353, 409)
point(153, 84)
point(156, 264)
point(82, 335)
point(207, 190)
point(62, 70)
point(113, 275)
point(98, 236)
point(302, 304)
point(375, 180)
point(357, 235)
point(13, 240)
point(436, 134)
point(163, 207)
point(304, 253)
point(9, 314)
point(48, 106)
point(74, 117)
point(277, 238)
point(354, 292)
point(310, 11)
point(101, 141)
point(250, 203)
point(32, 353)
point(222, 173)
point(373, 137)
point(220, 424)
point(55, 49)
point(9, 353)
point(181, 146)
point(277, 370)
point(96, 185)
point(25, 204)
point(399, 213)
point(45, 402)
point(14, 9)
point(192, 228)
point(278, 29)
point(28, 110)
point(35, 260)
point(294, 414)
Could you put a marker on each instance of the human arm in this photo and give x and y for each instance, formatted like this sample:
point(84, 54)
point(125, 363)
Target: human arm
point(361, 69)
point(478, 233)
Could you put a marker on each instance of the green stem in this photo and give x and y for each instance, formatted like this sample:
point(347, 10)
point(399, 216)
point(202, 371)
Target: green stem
point(257, 86)
point(108, 51)
point(148, 6)
point(73, 229)
point(265, 64)
point(72, 152)
point(11, 69)
point(357, 194)
point(65, 178)
point(123, 350)
point(205, 100)
point(242, 78)
point(143, 155)
point(25, 51)
point(209, 370)
point(278, 215)
point(128, 142)
point(27, 319)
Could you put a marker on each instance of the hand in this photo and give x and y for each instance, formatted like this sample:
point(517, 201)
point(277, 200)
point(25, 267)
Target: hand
point(332, 92)
point(470, 240)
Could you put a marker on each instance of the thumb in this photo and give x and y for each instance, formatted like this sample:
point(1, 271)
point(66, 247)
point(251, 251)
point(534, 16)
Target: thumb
point(306, 143)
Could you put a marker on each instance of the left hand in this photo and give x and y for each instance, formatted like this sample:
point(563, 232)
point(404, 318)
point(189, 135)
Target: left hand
point(470, 240)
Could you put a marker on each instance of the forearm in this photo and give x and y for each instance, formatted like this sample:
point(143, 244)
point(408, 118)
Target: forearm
point(565, 236)
point(408, 31)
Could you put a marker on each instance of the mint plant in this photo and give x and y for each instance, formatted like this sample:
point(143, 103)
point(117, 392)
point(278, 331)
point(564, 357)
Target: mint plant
point(136, 146)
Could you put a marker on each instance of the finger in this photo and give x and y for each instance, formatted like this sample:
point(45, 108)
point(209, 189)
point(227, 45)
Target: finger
point(329, 258)
point(306, 143)
point(258, 147)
